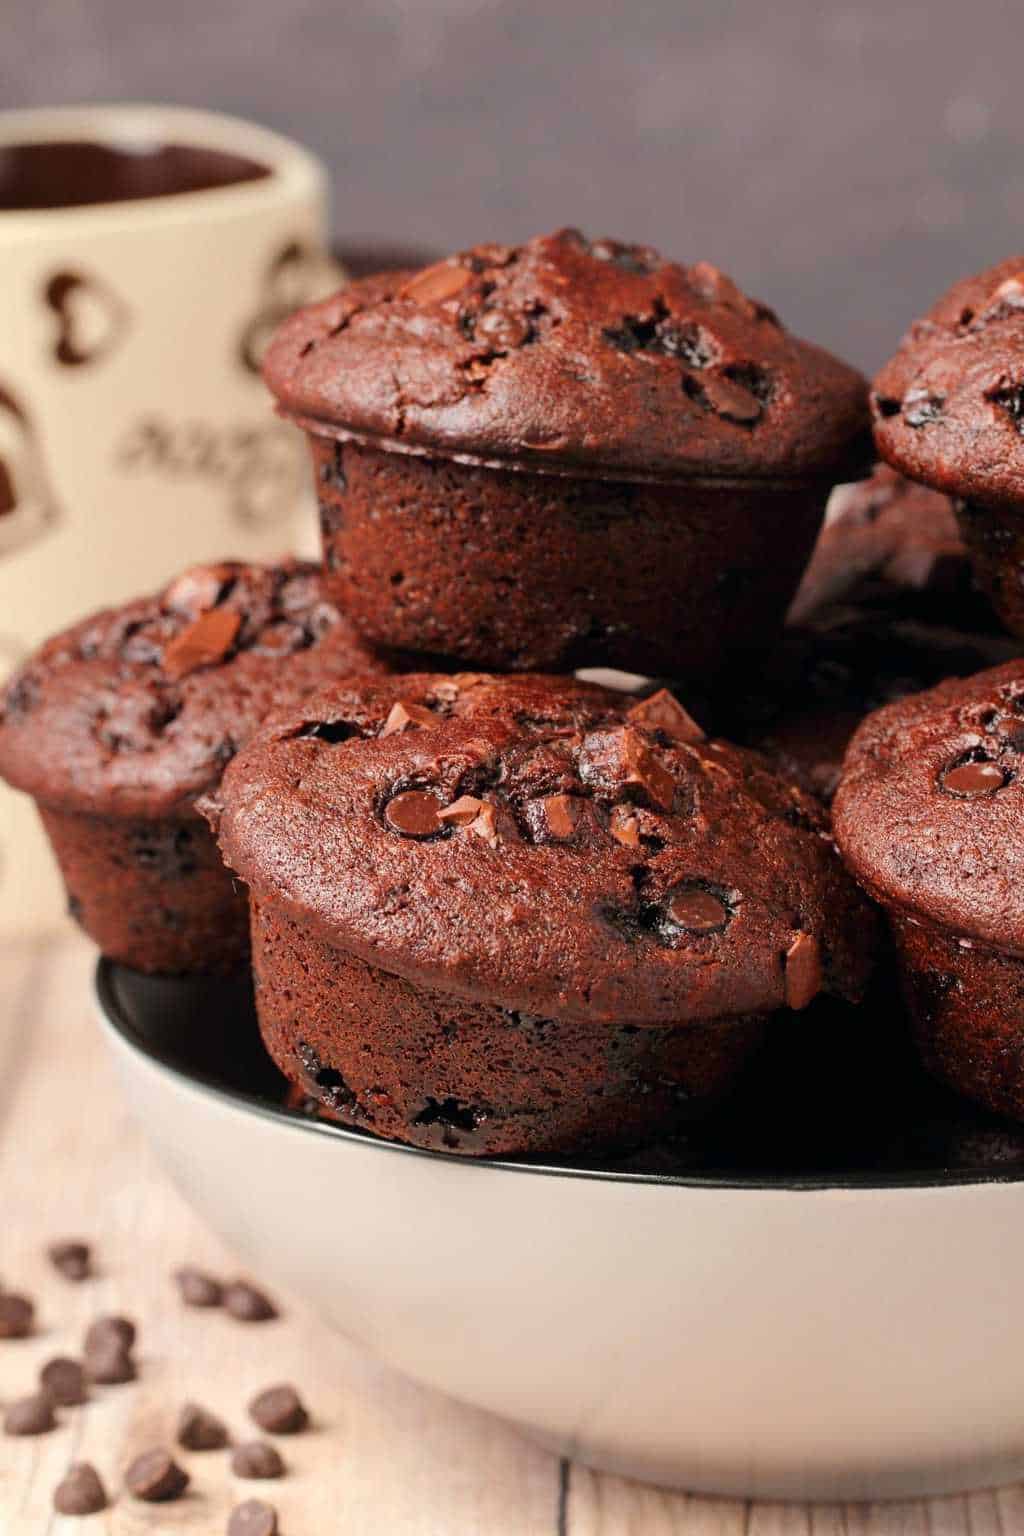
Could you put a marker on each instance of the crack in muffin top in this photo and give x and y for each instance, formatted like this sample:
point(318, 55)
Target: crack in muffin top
point(568, 355)
point(135, 710)
point(545, 844)
point(930, 807)
point(948, 408)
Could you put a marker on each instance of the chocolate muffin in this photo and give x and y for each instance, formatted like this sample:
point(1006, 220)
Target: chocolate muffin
point(566, 453)
point(524, 914)
point(928, 817)
point(115, 726)
point(889, 543)
point(949, 412)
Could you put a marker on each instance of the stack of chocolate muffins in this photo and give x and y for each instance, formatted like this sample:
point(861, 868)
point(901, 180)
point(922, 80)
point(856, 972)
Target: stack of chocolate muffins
point(491, 907)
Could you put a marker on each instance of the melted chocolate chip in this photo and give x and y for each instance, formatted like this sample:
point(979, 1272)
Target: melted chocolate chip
point(802, 971)
point(205, 642)
point(437, 284)
point(414, 813)
point(663, 713)
point(972, 780)
point(407, 717)
point(697, 910)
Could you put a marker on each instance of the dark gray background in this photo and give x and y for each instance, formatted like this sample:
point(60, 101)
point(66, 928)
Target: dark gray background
point(844, 162)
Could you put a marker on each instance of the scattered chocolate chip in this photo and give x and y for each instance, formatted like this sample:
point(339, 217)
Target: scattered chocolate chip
point(407, 717)
point(624, 826)
point(111, 1327)
point(803, 971)
point(17, 1314)
point(203, 643)
point(247, 1303)
point(30, 1416)
point(256, 1459)
point(200, 1430)
point(109, 1363)
point(62, 1380)
point(462, 812)
point(198, 589)
point(414, 813)
point(72, 1259)
point(969, 781)
point(663, 712)
point(197, 1288)
point(80, 1491)
point(697, 910)
point(279, 1410)
point(437, 283)
point(253, 1518)
point(156, 1478)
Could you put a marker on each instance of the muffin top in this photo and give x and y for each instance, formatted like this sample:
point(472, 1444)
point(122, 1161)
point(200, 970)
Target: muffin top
point(930, 807)
point(135, 710)
point(888, 542)
point(544, 844)
point(949, 407)
point(574, 356)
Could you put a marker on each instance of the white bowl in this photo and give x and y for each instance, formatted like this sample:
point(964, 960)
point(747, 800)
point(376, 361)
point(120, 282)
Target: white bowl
point(797, 1338)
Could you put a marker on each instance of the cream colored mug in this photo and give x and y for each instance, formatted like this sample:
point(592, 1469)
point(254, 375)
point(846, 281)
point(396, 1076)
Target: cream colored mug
point(146, 252)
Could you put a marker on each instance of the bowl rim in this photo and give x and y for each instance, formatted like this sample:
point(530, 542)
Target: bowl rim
point(115, 1021)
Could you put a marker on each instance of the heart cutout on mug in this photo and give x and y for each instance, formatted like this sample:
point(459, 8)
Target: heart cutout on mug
point(297, 274)
point(91, 319)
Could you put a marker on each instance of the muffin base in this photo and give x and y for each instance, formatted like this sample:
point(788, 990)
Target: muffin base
point(154, 895)
point(967, 1009)
point(515, 571)
point(995, 541)
point(418, 1065)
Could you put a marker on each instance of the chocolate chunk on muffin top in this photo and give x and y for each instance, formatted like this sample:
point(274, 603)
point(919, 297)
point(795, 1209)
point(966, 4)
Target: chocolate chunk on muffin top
point(931, 804)
point(949, 407)
point(135, 710)
point(546, 845)
point(569, 353)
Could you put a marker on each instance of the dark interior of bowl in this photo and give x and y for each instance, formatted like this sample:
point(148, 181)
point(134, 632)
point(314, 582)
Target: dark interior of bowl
point(836, 1099)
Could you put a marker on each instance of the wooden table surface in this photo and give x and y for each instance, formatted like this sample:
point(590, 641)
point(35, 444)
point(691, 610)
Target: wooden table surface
point(384, 1457)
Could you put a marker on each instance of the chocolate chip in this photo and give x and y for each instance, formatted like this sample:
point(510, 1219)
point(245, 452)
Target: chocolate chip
point(205, 642)
point(559, 815)
point(111, 1327)
point(197, 1288)
point(156, 1478)
point(624, 826)
point(971, 780)
point(407, 717)
point(256, 1459)
point(437, 283)
point(480, 817)
point(198, 589)
point(617, 760)
point(503, 328)
point(200, 1430)
point(17, 1314)
point(279, 1410)
point(414, 813)
point(247, 1303)
point(253, 1518)
point(72, 1259)
point(662, 712)
point(802, 971)
point(30, 1416)
point(62, 1380)
point(730, 399)
point(697, 910)
point(109, 1363)
point(80, 1491)
point(920, 408)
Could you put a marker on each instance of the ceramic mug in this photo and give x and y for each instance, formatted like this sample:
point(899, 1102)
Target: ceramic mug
point(146, 253)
